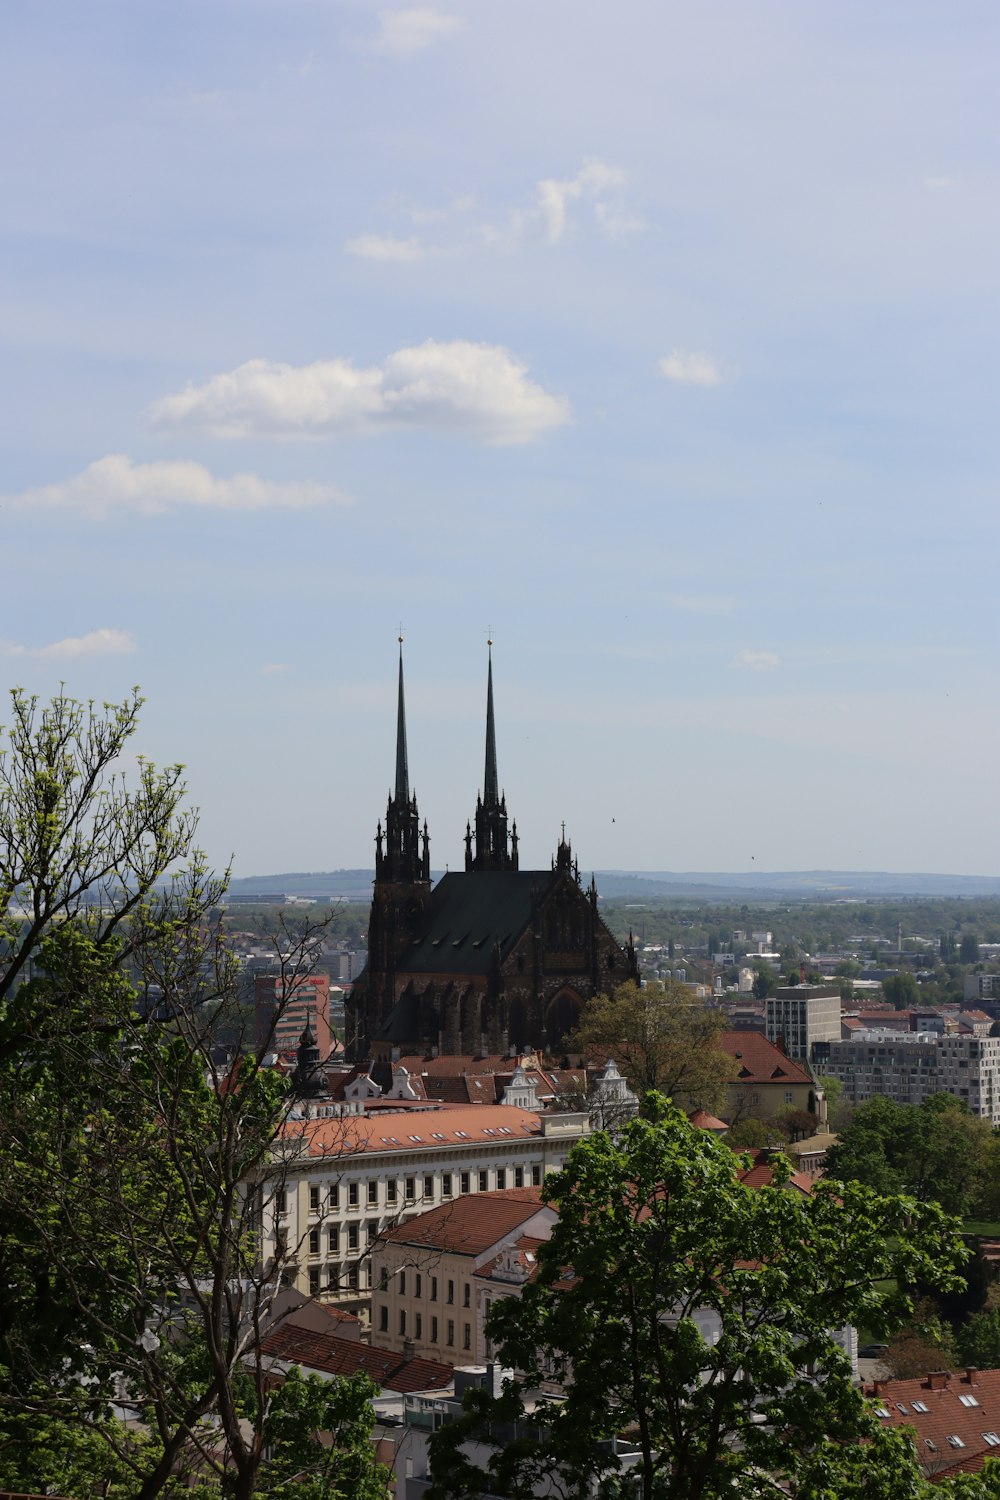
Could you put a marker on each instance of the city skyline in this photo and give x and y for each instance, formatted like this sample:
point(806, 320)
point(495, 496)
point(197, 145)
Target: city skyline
point(659, 345)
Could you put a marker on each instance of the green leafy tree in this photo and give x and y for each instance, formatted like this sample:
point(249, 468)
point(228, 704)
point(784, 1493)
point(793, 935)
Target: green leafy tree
point(135, 1166)
point(968, 951)
point(318, 1440)
point(696, 1314)
point(938, 1151)
point(901, 990)
point(75, 840)
point(978, 1340)
point(661, 1038)
point(765, 982)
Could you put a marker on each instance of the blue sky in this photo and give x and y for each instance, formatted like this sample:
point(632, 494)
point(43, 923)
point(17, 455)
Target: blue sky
point(658, 339)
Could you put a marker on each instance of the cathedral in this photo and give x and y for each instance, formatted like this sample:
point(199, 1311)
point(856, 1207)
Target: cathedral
point(493, 959)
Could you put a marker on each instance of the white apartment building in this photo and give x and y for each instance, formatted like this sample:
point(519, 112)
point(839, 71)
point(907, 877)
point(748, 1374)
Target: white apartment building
point(343, 1180)
point(910, 1066)
point(801, 1014)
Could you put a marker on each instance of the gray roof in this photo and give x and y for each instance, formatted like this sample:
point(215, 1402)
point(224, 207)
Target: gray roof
point(468, 914)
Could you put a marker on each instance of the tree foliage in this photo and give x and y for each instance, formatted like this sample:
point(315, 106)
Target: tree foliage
point(696, 1315)
point(938, 1151)
point(901, 990)
point(661, 1038)
point(136, 1157)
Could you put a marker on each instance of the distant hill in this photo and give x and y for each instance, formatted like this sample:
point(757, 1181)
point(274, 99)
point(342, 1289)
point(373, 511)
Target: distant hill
point(645, 885)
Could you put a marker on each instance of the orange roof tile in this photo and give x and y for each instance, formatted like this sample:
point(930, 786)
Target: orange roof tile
point(426, 1129)
point(760, 1061)
point(321, 1351)
point(469, 1225)
point(955, 1418)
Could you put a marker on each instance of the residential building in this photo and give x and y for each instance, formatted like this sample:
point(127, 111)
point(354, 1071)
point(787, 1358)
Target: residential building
point(767, 1082)
point(284, 1004)
point(981, 987)
point(436, 1277)
point(910, 1066)
point(954, 1419)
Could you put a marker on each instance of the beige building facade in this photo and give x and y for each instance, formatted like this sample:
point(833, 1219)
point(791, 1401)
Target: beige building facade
point(436, 1279)
point(344, 1181)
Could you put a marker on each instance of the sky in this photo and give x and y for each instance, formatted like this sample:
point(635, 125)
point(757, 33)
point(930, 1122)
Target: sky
point(656, 341)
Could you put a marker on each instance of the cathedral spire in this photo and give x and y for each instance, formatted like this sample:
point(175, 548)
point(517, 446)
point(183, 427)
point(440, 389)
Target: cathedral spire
point(491, 782)
point(402, 765)
point(402, 860)
point(493, 851)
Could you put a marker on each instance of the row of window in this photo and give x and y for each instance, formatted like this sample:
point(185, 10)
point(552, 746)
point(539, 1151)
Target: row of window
point(356, 1235)
point(418, 1286)
point(368, 1193)
point(351, 1278)
point(418, 1328)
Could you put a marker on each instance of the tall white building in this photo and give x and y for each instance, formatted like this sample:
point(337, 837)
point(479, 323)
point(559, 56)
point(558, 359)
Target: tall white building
point(801, 1014)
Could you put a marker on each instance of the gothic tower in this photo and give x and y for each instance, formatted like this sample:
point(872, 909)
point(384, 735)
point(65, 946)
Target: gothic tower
point(401, 892)
point(492, 849)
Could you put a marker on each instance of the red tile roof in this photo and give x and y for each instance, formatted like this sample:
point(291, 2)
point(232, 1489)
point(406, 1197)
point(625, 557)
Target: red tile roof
point(469, 1225)
point(760, 1061)
point(963, 1407)
point(333, 1356)
point(453, 1067)
point(446, 1127)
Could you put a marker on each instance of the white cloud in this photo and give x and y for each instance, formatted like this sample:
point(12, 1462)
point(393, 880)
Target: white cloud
point(95, 643)
point(596, 190)
point(115, 484)
point(272, 668)
point(403, 32)
point(688, 368)
point(481, 390)
point(386, 247)
point(704, 604)
point(554, 195)
point(939, 184)
point(756, 661)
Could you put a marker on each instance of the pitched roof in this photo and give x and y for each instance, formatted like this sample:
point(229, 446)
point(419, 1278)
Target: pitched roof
point(468, 915)
point(955, 1418)
point(334, 1356)
point(471, 1224)
point(760, 1061)
point(427, 1128)
point(448, 1066)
